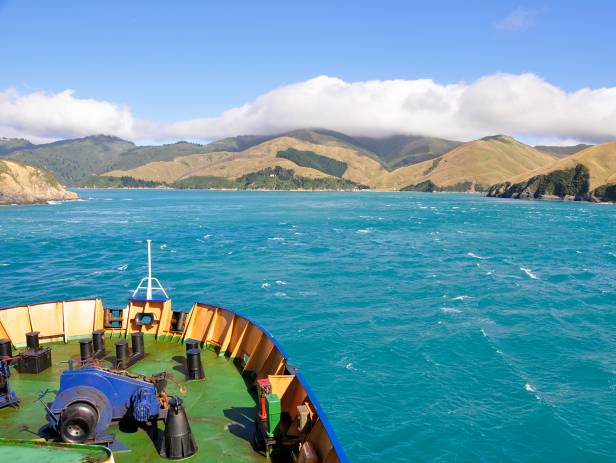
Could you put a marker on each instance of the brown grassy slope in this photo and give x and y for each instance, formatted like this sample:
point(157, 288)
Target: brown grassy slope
point(599, 159)
point(361, 168)
point(483, 162)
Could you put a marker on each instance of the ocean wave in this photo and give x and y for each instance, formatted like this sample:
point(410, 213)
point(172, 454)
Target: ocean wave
point(54, 203)
point(530, 388)
point(121, 268)
point(281, 282)
point(529, 273)
point(475, 256)
point(363, 231)
point(276, 238)
point(450, 310)
point(280, 294)
point(461, 298)
point(265, 285)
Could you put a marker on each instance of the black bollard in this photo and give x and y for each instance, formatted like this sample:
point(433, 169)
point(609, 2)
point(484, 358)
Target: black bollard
point(178, 439)
point(86, 349)
point(6, 350)
point(191, 344)
point(98, 340)
point(122, 354)
point(137, 342)
point(32, 340)
point(194, 366)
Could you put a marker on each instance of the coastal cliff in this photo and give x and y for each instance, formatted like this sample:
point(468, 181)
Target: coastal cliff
point(22, 184)
point(589, 175)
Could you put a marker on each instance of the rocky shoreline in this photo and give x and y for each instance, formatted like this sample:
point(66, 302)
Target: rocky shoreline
point(22, 184)
point(562, 185)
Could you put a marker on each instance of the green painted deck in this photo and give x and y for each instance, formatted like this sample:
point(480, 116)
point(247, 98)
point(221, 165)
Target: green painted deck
point(220, 408)
point(43, 452)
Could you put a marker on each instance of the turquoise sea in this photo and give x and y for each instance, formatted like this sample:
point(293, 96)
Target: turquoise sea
point(432, 327)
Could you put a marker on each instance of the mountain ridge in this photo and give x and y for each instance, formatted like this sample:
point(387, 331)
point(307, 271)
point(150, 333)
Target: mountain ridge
point(396, 162)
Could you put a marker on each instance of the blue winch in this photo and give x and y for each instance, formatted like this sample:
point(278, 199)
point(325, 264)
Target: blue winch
point(91, 397)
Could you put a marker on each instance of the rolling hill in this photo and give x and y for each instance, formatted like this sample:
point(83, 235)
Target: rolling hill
point(309, 160)
point(586, 174)
point(392, 152)
point(80, 160)
point(472, 166)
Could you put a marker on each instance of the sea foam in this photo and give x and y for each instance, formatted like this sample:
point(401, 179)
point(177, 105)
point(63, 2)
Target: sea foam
point(529, 273)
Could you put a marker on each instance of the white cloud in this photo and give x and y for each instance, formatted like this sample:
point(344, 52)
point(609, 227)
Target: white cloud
point(42, 116)
point(519, 19)
point(522, 105)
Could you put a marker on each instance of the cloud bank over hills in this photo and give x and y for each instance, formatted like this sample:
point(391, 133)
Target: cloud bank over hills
point(523, 105)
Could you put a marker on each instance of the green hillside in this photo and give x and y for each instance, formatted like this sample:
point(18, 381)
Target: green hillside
point(315, 161)
point(239, 143)
point(278, 178)
point(8, 145)
point(573, 182)
point(74, 160)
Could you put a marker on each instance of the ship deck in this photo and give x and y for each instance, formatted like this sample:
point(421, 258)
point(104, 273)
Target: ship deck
point(220, 408)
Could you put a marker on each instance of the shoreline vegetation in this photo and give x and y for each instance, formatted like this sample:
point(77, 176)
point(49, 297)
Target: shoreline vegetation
point(274, 179)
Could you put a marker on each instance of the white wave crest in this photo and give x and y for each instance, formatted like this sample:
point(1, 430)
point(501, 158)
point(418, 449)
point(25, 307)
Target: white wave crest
point(475, 256)
point(529, 273)
point(450, 310)
point(529, 387)
point(349, 366)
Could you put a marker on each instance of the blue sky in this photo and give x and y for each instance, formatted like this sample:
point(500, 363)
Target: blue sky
point(176, 61)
